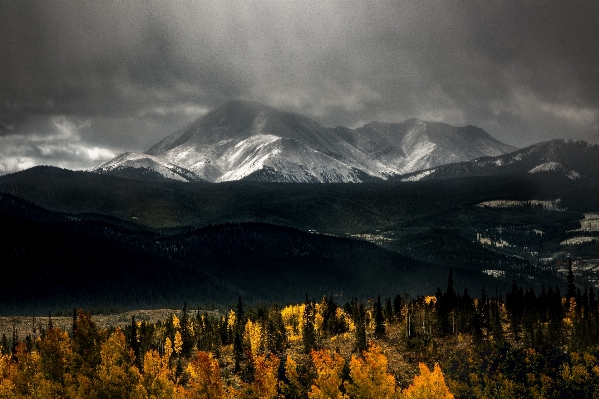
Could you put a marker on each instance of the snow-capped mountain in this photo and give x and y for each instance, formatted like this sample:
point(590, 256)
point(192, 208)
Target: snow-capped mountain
point(144, 167)
point(574, 160)
point(251, 141)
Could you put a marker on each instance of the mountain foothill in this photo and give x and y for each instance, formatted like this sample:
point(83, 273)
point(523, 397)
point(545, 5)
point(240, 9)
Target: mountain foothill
point(229, 206)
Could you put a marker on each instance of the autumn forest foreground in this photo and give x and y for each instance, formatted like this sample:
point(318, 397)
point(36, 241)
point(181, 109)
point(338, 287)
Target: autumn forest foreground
point(521, 343)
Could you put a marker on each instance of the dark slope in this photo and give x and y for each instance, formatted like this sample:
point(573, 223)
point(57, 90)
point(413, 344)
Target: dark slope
point(54, 261)
point(332, 208)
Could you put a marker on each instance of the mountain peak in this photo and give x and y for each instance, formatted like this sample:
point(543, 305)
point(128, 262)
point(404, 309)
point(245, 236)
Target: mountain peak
point(240, 139)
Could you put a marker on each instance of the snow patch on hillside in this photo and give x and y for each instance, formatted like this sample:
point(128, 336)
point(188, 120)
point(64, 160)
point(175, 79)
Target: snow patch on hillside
point(579, 240)
point(551, 205)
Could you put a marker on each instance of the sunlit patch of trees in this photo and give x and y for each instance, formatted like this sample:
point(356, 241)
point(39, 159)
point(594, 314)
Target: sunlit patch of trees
point(443, 346)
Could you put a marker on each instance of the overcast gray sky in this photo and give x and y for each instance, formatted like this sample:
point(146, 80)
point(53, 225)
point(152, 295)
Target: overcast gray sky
point(81, 81)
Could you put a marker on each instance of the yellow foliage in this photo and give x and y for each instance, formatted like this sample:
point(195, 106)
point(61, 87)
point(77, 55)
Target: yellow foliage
point(117, 377)
point(156, 379)
point(7, 371)
point(178, 342)
point(292, 374)
point(55, 354)
point(318, 319)
point(341, 315)
point(328, 380)
point(253, 334)
point(231, 320)
point(168, 348)
point(265, 381)
point(430, 298)
point(369, 375)
point(176, 322)
point(292, 319)
point(205, 381)
point(428, 385)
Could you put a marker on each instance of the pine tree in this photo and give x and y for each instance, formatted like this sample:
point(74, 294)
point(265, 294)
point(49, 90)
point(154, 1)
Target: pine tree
point(388, 310)
point(397, 307)
point(308, 331)
point(134, 343)
point(360, 322)
point(571, 287)
point(15, 341)
point(4, 347)
point(185, 335)
point(379, 319)
point(450, 289)
point(74, 328)
point(239, 327)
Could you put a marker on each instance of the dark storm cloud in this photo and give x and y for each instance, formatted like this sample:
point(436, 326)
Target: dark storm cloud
point(136, 71)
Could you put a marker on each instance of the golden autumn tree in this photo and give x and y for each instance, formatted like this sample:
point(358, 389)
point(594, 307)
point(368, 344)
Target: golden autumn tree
point(118, 378)
point(428, 385)
point(369, 376)
point(204, 378)
point(55, 355)
point(265, 382)
point(7, 373)
point(296, 381)
point(178, 343)
point(265, 375)
point(156, 375)
point(328, 379)
point(253, 335)
point(27, 377)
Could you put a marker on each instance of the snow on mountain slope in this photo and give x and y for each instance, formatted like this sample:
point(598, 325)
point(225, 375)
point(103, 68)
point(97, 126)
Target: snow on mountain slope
point(246, 140)
point(572, 159)
point(144, 167)
point(557, 168)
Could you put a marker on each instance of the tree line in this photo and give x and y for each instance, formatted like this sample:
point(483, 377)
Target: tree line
point(530, 345)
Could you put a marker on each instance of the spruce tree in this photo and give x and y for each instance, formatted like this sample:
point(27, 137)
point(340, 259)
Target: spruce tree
point(134, 343)
point(74, 328)
point(388, 310)
point(4, 346)
point(185, 334)
point(379, 319)
point(50, 325)
point(238, 335)
point(397, 307)
point(15, 341)
point(360, 322)
point(308, 331)
point(570, 287)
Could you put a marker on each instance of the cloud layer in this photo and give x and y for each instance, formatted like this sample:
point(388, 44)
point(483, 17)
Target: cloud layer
point(137, 71)
point(63, 147)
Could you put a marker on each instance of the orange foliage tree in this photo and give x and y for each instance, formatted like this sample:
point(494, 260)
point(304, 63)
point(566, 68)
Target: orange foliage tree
point(369, 376)
point(328, 379)
point(204, 378)
point(428, 385)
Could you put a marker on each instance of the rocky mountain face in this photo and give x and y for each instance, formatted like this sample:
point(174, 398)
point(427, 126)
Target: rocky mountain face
point(574, 160)
point(250, 141)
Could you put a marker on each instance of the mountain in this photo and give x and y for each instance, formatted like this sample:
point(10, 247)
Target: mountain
point(573, 160)
point(250, 141)
point(145, 167)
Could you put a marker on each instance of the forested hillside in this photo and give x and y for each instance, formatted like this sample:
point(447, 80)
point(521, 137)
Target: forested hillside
point(525, 344)
point(54, 261)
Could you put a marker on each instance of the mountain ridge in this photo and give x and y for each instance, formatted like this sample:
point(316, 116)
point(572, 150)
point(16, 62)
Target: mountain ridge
point(242, 140)
point(573, 160)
